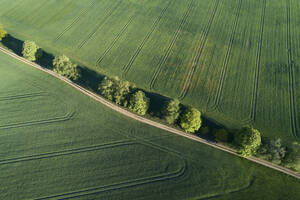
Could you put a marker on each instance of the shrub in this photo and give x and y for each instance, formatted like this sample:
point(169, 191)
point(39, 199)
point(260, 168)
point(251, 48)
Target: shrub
point(292, 159)
point(63, 66)
point(190, 120)
point(247, 141)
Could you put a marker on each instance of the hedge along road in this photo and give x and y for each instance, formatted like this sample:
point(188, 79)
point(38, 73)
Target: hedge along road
point(148, 121)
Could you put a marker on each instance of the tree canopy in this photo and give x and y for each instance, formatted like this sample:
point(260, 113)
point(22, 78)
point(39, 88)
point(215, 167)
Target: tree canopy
point(116, 90)
point(248, 141)
point(171, 111)
point(190, 120)
point(139, 103)
point(63, 66)
point(3, 32)
point(29, 50)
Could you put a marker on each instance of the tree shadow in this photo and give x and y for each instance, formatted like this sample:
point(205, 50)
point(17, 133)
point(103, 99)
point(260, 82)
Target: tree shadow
point(13, 44)
point(90, 79)
point(45, 60)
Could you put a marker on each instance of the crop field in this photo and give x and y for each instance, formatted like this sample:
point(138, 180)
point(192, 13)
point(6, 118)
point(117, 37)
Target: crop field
point(235, 60)
point(56, 143)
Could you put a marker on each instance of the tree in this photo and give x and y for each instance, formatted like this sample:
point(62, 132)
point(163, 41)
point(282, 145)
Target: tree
point(30, 50)
point(292, 160)
point(107, 88)
point(116, 90)
point(221, 135)
point(190, 120)
point(122, 91)
point(171, 111)
point(139, 103)
point(248, 141)
point(3, 32)
point(63, 66)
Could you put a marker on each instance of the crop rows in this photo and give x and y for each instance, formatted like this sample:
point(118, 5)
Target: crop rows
point(67, 117)
point(189, 76)
point(66, 152)
point(94, 31)
point(175, 37)
point(117, 186)
point(54, 15)
point(30, 15)
point(129, 183)
point(258, 64)
point(127, 67)
point(291, 73)
point(76, 20)
point(118, 36)
point(12, 11)
point(227, 57)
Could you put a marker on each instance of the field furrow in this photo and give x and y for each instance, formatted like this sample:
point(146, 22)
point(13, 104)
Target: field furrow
point(112, 44)
point(97, 27)
point(168, 51)
point(55, 16)
point(21, 96)
point(273, 93)
point(76, 19)
point(295, 42)
point(290, 64)
point(65, 152)
point(189, 76)
point(127, 67)
point(38, 122)
point(118, 186)
point(227, 57)
point(258, 64)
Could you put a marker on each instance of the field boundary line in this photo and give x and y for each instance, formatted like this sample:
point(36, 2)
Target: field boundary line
point(75, 20)
point(112, 44)
point(127, 67)
point(257, 66)
point(148, 121)
point(91, 34)
point(66, 152)
point(170, 47)
point(227, 57)
point(199, 50)
point(293, 117)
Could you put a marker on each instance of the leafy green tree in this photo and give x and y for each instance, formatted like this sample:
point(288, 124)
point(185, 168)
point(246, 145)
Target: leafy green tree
point(248, 140)
point(63, 66)
point(171, 111)
point(139, 103)
point(107, 88)
point(3, 33)
point(122, 91)
point(190, 120)
point(221, 135)
point(30, 50)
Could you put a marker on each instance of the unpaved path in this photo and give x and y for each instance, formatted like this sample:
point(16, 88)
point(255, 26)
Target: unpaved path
point(148, 121)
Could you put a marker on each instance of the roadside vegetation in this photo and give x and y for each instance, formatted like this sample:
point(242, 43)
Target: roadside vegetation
point(247, 140)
